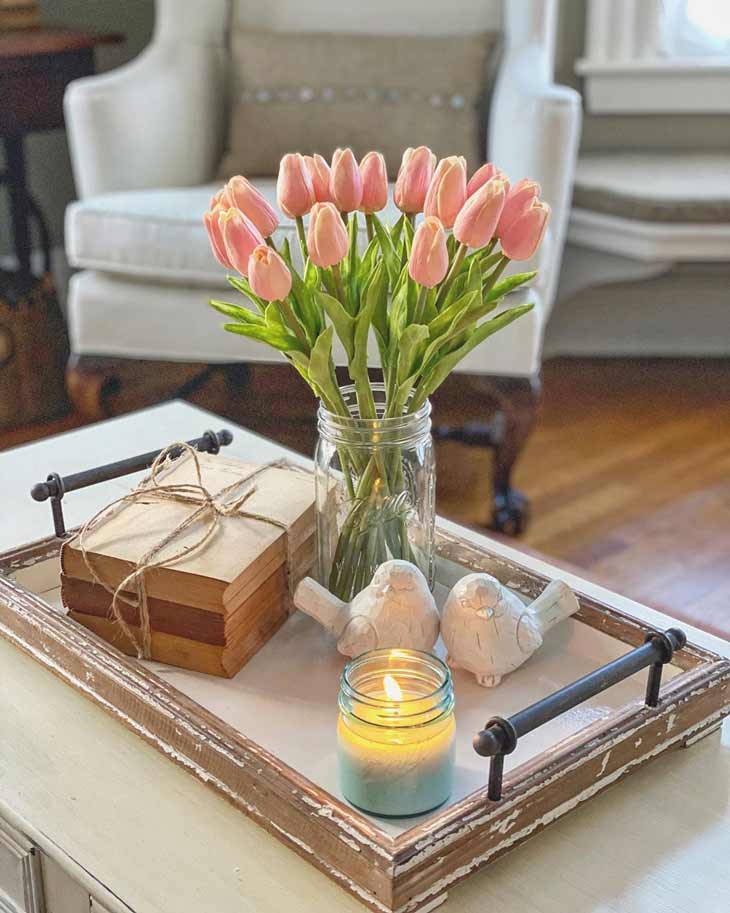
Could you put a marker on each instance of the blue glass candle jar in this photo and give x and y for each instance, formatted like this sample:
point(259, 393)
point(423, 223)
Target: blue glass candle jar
point(396, 732)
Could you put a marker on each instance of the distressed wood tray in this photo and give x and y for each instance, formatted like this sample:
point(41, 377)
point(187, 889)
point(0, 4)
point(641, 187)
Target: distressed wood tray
point(266, 739)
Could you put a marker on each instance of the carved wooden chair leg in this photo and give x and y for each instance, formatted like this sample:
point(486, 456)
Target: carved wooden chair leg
point(514, 421)
point(90, 384)
point(516, 399)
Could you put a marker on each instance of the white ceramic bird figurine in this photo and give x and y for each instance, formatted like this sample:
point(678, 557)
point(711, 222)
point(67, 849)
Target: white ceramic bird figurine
point(395, 610)
point(489, 631)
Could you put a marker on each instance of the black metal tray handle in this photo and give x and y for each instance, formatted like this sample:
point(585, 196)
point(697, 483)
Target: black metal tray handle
point(55, 486)
point(499, 736)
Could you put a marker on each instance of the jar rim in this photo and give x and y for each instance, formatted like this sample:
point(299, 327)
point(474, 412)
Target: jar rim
point(392, 423)
point(442, 695)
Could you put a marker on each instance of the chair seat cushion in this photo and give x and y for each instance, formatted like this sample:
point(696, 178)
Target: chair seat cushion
point(159, 234)
point(115, 316)
point(648, 187)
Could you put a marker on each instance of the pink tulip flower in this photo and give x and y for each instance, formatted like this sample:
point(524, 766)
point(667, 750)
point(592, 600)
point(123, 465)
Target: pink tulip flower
point(319, 171)
point(429, 260)
point(327, 237)
point(215, 236)
point(414, 176)
point(294, 189)
point(268, 275)
point(374, 182)
point(240, 236)
point(244, 196)
point(345, 181)
point(447, 190)
point(482, 175)
point(477, 220)
point(519, 199)
point(220, 198)
point(523, 235)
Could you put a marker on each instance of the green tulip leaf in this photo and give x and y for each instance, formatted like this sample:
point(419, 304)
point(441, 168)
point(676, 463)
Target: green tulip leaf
point(440, 324)
point(321, 367)
point(243, 315)
point(397, 230)
point(240, 284)
point(377, 288)
point(510, 284)
point(441, 370)
point(343, 323)
point(305, 309)
point(359, 363)
point(412, 345)
point(387, 248)
point(398, 314)
point(474, 277)
point(274, 320)
point(488, 260)
point(282, 341)
point(367, 263)
point(285, 253)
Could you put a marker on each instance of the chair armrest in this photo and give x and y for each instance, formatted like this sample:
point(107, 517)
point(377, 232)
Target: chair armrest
point(158, 121)
point(534, 131)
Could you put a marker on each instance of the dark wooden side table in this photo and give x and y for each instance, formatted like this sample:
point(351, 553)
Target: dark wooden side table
point(36, 65)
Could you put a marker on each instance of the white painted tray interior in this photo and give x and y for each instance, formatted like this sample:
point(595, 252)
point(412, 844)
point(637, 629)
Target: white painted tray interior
point(285, 698)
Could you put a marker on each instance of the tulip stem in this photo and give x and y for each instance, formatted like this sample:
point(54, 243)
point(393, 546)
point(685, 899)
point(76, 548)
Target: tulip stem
point(270, 242)
point(345, 217)
point(369, 226)
point(452, 274)
point(292, 322)
point(339, 284)
point(302, 238)
point(420, 304)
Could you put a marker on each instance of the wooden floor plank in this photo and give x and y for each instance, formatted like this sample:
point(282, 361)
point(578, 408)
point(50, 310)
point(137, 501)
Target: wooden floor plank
point(628, 470)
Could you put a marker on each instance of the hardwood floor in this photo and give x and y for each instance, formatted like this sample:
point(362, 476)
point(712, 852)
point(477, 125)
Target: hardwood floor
point(628, 470)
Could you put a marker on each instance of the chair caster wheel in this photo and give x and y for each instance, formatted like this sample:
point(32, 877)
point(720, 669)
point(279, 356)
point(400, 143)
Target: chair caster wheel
point(511, 513)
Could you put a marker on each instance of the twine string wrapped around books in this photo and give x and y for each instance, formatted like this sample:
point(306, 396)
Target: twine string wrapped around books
point(209, 507)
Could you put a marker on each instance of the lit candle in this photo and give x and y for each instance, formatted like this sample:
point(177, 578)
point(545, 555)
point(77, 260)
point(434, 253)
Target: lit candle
point(396, 732)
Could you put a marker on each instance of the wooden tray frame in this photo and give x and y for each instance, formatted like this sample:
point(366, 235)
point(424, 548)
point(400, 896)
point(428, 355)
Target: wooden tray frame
point(411, 872)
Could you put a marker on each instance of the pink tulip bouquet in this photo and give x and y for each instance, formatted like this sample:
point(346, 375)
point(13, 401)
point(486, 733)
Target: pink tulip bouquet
point(425, 289)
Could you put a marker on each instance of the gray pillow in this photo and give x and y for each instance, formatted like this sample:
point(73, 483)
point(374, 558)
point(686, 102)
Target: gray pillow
point(298, 92)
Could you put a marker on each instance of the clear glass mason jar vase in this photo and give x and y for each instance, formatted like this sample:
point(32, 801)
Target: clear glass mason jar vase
point(375, 493)
point(396, 732)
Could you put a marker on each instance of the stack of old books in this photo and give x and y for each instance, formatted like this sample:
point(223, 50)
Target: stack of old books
point(18, 14)
point(212, 609)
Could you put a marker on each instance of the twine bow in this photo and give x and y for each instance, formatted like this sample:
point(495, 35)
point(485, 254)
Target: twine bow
point(207, 505)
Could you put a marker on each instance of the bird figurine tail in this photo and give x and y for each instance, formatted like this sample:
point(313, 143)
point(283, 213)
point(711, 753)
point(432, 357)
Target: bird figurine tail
point(315, 600)
point(556, 603)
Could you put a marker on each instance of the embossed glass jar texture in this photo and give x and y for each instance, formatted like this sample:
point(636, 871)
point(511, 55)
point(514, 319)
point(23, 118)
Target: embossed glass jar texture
point(375, 493)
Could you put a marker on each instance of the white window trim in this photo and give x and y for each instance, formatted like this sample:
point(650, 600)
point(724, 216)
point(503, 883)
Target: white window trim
point(626, 74)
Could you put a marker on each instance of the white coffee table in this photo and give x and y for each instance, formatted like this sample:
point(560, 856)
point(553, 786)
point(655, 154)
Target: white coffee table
point(134, 831)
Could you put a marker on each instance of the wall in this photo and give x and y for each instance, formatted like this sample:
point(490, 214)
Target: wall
point(47, 154)
point(630, 131)
point(50, 169)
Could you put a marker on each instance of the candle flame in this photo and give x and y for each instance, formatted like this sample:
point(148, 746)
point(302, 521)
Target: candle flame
point(392, 688)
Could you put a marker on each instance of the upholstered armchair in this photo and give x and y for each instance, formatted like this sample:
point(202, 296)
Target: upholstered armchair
point(147, 142)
